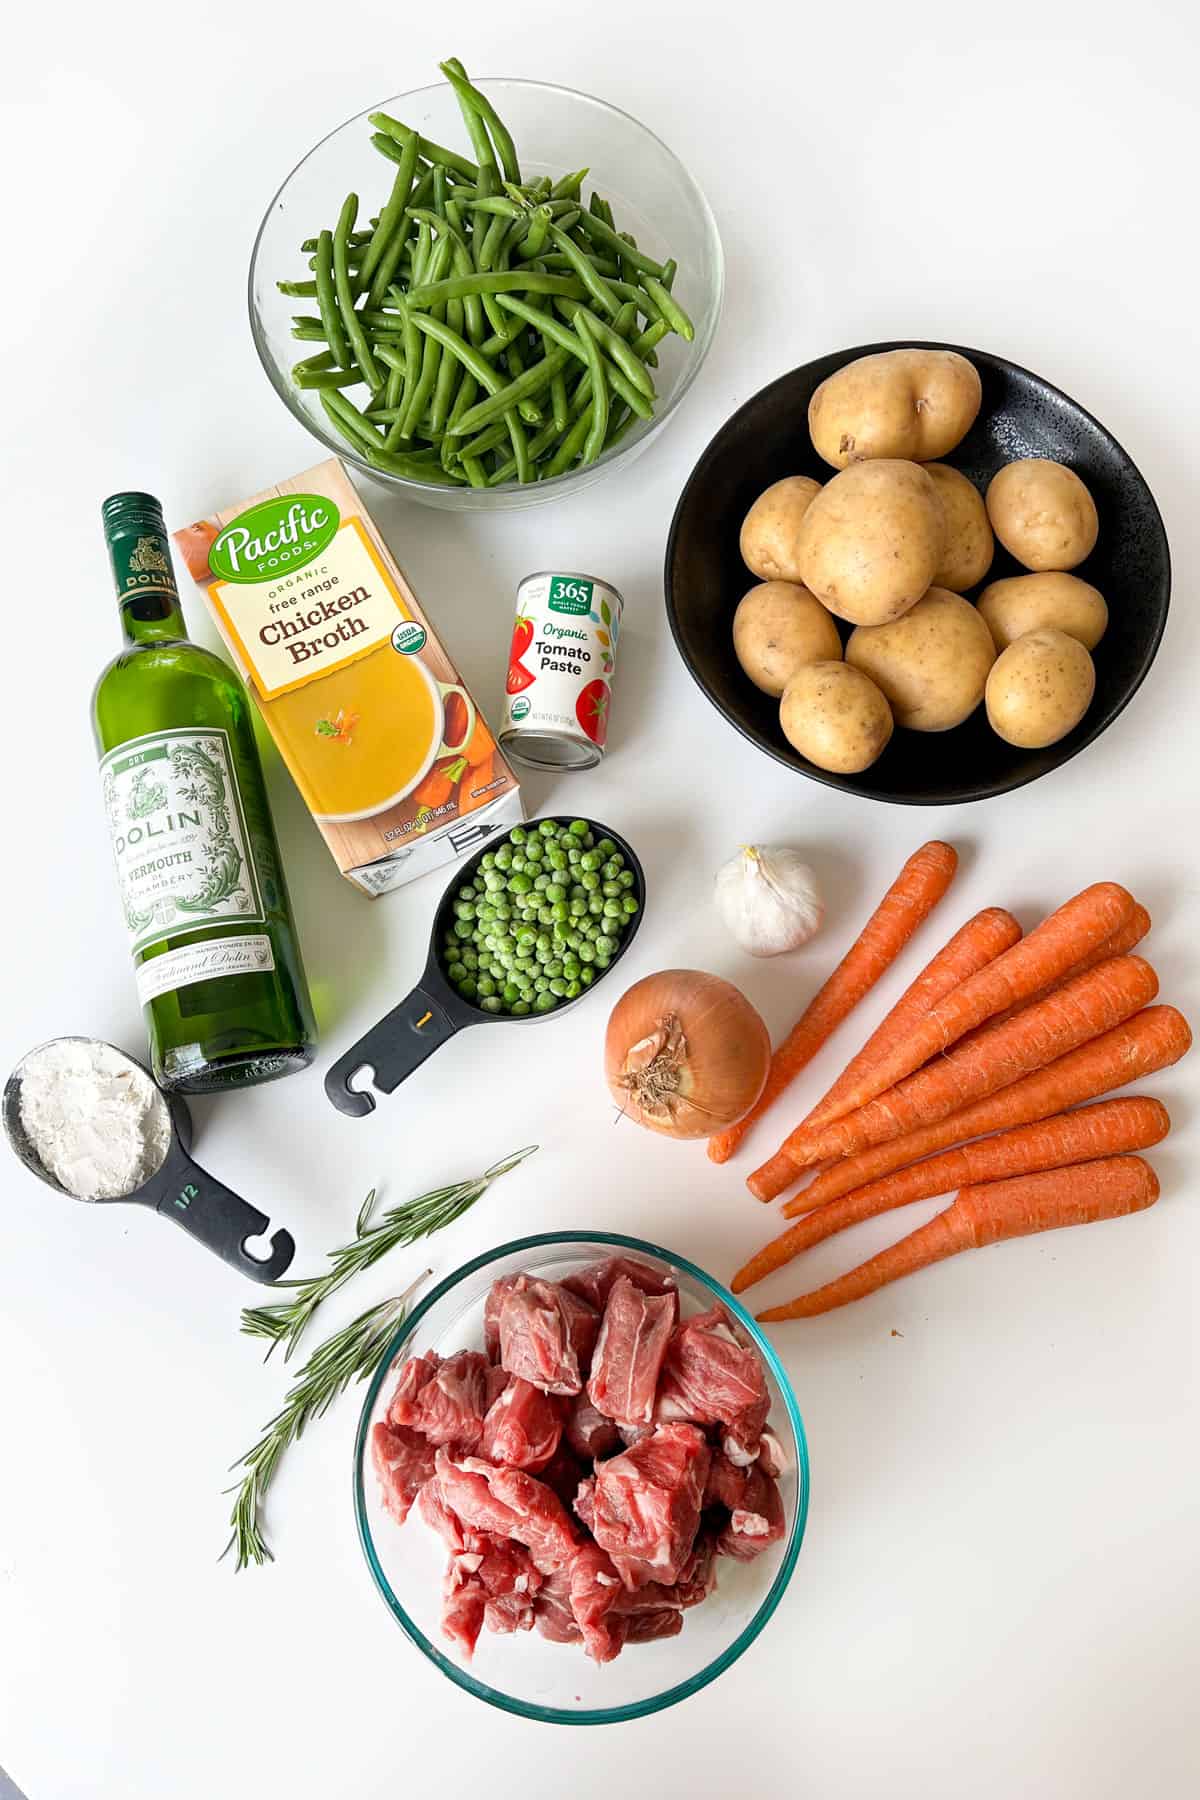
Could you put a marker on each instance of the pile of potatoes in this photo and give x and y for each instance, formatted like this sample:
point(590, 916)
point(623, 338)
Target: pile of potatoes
point(891, 543)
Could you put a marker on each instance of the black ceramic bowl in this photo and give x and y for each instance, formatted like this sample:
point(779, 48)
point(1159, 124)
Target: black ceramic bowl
point(1021, 415)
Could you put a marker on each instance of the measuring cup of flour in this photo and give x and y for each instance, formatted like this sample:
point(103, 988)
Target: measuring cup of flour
point(92, 1122)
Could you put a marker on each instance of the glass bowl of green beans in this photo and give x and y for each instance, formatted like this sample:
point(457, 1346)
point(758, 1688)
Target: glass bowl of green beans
point(445, 329)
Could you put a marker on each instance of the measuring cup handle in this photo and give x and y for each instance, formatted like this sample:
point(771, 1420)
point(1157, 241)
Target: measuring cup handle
point(451, 687)
point(219, 1218)
point(391, 1051)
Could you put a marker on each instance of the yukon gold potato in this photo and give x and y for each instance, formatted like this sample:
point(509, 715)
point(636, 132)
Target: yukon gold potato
point(932, 665)
point(771, 527)
point(871, 541)
point(1039, 689)
point(777, 628)
point(1042, 513)
point(969, 547)
point(1024, 603)
point(916, 404)
point(836, 717)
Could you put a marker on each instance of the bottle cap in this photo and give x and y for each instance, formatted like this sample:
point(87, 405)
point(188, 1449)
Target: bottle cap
point(132, 512)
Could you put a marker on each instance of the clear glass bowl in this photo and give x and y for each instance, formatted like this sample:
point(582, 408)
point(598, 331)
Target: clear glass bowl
point(524, 1673)
point(556, 130)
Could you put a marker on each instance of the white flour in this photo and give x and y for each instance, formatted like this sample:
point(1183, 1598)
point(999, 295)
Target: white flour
point(97, 1121)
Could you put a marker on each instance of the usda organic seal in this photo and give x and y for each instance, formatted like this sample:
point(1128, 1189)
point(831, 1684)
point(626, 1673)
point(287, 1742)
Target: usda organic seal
point(409, 637)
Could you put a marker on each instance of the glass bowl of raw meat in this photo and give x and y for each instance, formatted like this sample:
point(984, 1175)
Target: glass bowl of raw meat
point(581, 1478)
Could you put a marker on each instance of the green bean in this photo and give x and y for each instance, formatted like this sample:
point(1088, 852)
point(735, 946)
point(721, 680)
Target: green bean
point(567, 186)
point(600, 209)
point(500, 281)
point(496, 203)
point(451, 340)
point(595, 284)
point(327, 378)
point(471, 99)
point(603, 265)
point(313, 365)
point(600, 233)
point(357, 240)
point(391, 216)
point(474, 473)
point(488, 179)
point(412, 470)
point(298, 290)
point(417, 394)
point(394, 246)
point(594, 442)
point(309, 331)
point(669, 307)
point(571, 445)
point(520, 444)
point(464, 398)
point(644, 346)
point(530, 382)
point(431, 152)
point(344, 289)
point(409, 365)
point(489, 439)
point(609, 340)
point(421, 253)
point(332, 328)
point(514, 362)
point(347, 417)
point(558, 401)
point(670, 270)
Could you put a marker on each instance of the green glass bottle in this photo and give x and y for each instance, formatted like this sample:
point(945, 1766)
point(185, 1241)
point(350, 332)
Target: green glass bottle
point(214, 949)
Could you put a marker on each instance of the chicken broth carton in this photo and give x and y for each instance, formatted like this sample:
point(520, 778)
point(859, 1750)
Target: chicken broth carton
point(393, 757)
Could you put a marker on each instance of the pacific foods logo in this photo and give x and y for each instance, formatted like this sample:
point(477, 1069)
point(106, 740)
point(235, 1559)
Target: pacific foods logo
point(275, 536)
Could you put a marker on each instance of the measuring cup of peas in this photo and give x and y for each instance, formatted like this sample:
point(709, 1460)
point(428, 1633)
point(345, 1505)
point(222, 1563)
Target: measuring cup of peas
point(526, 927)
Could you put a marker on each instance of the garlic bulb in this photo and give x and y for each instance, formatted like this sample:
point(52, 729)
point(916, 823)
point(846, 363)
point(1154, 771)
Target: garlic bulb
point(768, 897)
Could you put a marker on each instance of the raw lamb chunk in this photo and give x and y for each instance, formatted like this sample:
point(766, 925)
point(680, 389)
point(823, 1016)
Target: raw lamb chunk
point(510, 1504)
point(646, 1504)
point(634, 1434)
point(595, 1283)
point(589, 1432)
point(463, 1606)
point(547, 1335)
point(437, 1515)
point(595, 1588)
point(726, 1484)
point(403, 1462)
point(697, 1579)
point(757, 1522)
point(490, 1581)
point(643, 1628)
point(563, 1473)
point(497, 1295)
point(444, 1401)
point(552, 1609)
point(634, 1335)
point(713, 1376)
point(523, 1427)
point(585, 1503)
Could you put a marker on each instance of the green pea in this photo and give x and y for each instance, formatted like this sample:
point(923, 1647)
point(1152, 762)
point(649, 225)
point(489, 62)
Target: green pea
point(602, 961)
point(613, 909)
point(554, 967)
point(488, 860)
point(545, 942)
point(464, 928)
point(520, 884)
point(590, 861)
point(589, 881)
point(605, 848)
point(517, 835)
point(512, 991)
point(579, 908)
point(467, 891)
point(555, 891)
point(525, 934)
point(574, 859)
point(548, 828)
point(533, 850)
point(558, 988)
point(571, 967)
point(541, 882)
point(455, 971)
point(504, 856)
point(467, 988)
point(469, 957)
point(485, 985)
point(627, 879)
point(545, 915)
point(493, 881)
point(586, 976)
point(518, 863)
point(579, 828)
point(595, 905)
point(610, 890)
point(525, 965)
point(492, 1003)
point(630, 904)
point(556, 858)
point(572, 940)
point(560, 912)
point(573, 990)
point(586, 953)
point(605, 945)
point(545, 1002)
point(611, 869)
point(521, 1009)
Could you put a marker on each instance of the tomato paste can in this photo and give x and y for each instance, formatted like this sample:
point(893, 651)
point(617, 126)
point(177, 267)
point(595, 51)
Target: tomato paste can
point(560, 669)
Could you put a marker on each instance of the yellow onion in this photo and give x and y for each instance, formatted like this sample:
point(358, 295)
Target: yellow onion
point(685, 1053)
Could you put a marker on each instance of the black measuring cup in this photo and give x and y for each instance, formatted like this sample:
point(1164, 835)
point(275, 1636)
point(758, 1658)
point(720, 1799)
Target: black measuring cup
point(179, 1189)
point(434, 1011)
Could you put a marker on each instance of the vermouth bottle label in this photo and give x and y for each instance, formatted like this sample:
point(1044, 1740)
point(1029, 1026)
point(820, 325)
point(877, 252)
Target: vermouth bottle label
point(179, 837)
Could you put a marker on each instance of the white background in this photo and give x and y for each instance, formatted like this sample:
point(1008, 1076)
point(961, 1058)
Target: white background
point(999, 1589)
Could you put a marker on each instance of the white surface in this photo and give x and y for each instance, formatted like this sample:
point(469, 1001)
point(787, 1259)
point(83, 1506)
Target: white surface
point(999, 1590)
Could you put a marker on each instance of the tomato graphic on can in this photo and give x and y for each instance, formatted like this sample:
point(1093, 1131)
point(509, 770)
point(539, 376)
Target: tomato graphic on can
point(560, 667)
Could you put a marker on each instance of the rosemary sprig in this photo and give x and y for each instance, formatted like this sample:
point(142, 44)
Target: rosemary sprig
point(284, 1322)
point(351, 1354)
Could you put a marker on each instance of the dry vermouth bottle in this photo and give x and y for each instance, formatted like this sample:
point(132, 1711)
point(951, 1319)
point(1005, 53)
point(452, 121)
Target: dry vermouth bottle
point(217, 964)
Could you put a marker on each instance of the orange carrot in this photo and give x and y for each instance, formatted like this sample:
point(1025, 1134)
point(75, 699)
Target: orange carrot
point(1059, 942)
point(1080, 1195)
point(1092, 1003)
point(910, 899)
point(1152, 1040)
point(1092, 1132)
point(436, 788)
point(980, 941)
point(480, 745)
point(1122, 941)
point(473, 794)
